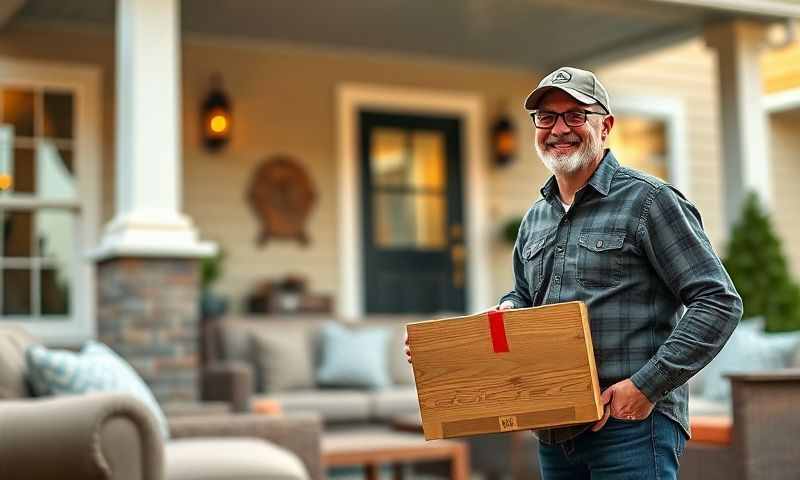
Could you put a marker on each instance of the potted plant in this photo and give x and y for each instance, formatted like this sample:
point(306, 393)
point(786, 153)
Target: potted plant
point(212, 305)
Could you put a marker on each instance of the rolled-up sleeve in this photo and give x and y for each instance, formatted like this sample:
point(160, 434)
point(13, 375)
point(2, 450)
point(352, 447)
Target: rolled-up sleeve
point(671, 235)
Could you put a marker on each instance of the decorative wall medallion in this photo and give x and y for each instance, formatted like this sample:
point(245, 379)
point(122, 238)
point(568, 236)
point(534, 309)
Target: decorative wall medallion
point(281, 196)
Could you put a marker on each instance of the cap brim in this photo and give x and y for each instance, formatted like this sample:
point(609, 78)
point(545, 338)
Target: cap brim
point(533, 99)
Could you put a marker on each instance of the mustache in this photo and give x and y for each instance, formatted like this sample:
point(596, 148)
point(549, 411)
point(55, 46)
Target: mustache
point(568, 138)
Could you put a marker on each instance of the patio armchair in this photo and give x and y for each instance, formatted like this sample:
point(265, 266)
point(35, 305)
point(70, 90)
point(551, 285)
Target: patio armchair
point(114, 436)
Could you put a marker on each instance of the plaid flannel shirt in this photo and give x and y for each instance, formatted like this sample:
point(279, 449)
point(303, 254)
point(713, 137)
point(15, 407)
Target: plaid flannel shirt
point(632, 247)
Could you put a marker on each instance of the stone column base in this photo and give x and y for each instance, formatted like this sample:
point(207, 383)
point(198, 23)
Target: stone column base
point(148, 313)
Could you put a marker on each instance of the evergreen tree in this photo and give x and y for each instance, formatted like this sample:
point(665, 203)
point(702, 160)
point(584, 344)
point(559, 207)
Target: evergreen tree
point(758, 267)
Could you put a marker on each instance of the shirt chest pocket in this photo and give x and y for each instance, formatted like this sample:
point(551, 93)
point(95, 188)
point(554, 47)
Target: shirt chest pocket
point(532, 257)
point(600, 259)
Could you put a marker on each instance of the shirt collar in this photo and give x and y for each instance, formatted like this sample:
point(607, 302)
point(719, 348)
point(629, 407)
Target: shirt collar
point(600, 179)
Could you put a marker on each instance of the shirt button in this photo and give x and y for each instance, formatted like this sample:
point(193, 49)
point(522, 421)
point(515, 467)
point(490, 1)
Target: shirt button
point(557, 278)
point(560, 248)
point(599, 244)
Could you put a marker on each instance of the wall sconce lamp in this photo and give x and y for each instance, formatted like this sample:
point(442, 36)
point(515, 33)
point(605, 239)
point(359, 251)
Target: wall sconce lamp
point(216, 116)
point(504, 141)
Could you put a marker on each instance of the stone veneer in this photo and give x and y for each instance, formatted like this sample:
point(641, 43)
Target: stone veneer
point(148, 313)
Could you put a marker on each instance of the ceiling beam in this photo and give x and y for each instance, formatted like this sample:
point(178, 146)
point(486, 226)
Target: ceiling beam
point(630, 47)
point(768, 8)
point(9, 8)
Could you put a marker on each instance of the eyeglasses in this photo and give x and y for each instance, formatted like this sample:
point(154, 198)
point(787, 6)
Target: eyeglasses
point(573, 118)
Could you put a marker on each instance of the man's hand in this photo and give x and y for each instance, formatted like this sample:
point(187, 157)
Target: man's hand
point(503, 306)
point(625, 402)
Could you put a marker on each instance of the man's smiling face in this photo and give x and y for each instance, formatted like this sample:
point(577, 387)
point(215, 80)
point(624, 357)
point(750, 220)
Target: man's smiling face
point(565, 149)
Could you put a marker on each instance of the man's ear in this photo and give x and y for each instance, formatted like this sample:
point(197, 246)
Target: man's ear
point(608, 123)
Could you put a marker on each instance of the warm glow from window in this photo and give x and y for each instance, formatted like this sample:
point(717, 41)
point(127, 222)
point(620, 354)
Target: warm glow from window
point(641, 143)
point(219, 123)
point(5, 181)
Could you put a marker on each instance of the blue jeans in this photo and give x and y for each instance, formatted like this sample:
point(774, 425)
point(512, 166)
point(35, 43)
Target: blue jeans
point(623, 449)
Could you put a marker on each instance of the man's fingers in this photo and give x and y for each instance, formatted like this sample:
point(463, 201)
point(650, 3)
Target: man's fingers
point(607, 395)
point(505, 305)
point(602, 422)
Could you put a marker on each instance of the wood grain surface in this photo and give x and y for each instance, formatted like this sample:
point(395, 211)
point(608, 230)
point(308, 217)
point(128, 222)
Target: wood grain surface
point(546, 378)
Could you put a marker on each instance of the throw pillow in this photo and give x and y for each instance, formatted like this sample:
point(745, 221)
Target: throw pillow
point(748, 350)
point(95, 369)
point(284, 359)
point(354, 358)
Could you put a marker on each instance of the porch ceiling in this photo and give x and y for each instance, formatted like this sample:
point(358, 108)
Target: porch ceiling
point(535, 34)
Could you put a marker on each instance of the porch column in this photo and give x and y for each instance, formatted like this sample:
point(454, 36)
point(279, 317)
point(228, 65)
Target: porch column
point(149, 254)
point(745, 155)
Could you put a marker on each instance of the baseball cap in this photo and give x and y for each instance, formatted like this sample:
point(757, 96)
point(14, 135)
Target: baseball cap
point(582, 85)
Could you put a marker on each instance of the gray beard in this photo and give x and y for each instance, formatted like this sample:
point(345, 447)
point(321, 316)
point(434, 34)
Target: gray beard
point(560, 164)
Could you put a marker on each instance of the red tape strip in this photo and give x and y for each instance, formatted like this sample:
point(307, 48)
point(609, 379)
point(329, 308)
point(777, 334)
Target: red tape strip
point(498, 331)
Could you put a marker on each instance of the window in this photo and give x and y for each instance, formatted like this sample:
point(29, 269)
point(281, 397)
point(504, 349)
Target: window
point(37, 213)
point(48, 135)
point(641, 142)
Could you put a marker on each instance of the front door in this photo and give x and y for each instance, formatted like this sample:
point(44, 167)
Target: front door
point(414, 254)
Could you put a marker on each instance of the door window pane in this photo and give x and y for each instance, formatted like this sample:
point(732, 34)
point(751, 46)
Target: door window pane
point(58, 115)
point(388, 157)
point(18, 111)
point(428, 160)
point(16, 291)
point(17, 233)
point(409, 220)
point(641, 143)
point(411, 159)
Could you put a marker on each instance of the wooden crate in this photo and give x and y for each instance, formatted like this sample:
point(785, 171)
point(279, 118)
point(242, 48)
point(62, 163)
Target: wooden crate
point(505, 370)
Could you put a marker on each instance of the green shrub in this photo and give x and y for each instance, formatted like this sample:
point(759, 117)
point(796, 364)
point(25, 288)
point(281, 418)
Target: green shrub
point(758, 267)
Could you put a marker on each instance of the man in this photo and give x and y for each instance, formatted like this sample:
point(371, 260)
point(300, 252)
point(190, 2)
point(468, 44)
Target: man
point(633, 249)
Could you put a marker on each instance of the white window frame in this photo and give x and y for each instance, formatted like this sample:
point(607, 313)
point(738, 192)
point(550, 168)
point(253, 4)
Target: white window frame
point(671, 111)
point(85, 83)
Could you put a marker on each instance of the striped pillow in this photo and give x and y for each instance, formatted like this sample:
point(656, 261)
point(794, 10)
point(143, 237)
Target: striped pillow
point(95, 369)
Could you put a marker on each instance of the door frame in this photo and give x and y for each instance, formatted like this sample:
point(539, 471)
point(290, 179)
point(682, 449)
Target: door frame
point(350, 99)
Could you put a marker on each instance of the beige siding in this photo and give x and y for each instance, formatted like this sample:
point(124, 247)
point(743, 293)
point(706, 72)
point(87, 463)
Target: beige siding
point(785, 145)
point(686, 72)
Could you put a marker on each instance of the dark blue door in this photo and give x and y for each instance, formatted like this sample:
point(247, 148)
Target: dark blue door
point(414, 255)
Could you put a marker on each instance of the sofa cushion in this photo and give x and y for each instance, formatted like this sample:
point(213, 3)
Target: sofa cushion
point(13, 342)
point(353, 358)
point(400, 369)
point(284, 359)
point(748, 350)
point(394, 401)
point(703, 407)
point(230, 458)
point(339, 405)
point(95, 369)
